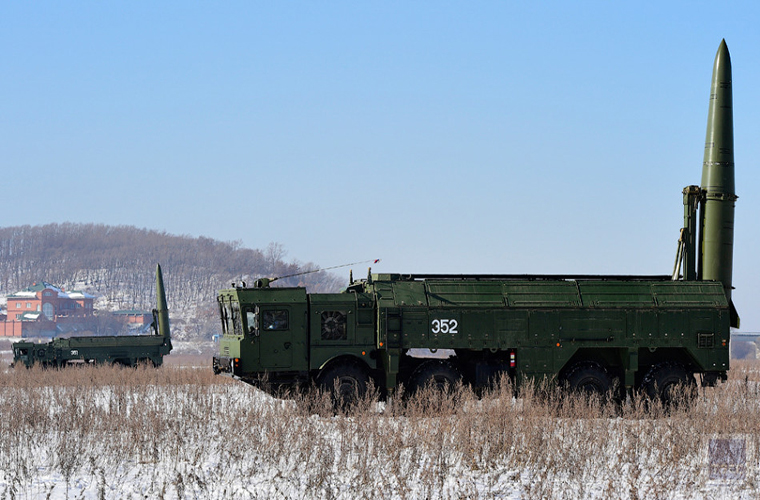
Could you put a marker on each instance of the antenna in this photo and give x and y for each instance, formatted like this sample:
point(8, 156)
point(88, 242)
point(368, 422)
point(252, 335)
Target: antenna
point(373, 261)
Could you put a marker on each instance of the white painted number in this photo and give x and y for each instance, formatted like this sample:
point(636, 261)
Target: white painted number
point(445, 326)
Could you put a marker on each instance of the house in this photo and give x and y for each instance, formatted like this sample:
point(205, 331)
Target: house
point(52, 302)
point(41, 308)
point(134, 317)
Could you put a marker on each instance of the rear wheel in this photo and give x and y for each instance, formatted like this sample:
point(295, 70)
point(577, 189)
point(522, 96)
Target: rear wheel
point(589, 378)
point(441, 375)
point(670, 383)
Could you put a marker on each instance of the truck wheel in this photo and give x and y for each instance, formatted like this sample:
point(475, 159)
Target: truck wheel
point(346, 383)
point(440, 374)
point(588, 378)
point(670, 382)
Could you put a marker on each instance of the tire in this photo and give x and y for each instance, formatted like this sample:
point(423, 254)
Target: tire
point(346, 383)
point(669, 382)
point(440, 374)
point(145, 362)
point(589, 378)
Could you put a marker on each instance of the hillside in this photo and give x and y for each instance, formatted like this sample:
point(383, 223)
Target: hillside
point(117, 265)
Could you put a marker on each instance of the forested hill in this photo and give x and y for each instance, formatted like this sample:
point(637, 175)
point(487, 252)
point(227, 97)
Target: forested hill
point(118, 264)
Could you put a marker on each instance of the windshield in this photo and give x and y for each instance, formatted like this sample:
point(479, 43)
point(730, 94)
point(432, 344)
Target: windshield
point(229, 313)
point(223, 316)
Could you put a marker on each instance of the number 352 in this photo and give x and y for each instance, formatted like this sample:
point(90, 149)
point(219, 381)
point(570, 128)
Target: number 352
point(444, 326)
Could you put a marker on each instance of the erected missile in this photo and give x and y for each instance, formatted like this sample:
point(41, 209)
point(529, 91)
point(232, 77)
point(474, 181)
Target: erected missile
point(718, 186)
point(161, 313)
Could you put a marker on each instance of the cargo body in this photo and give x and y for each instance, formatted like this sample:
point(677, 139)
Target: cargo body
point(595, 333)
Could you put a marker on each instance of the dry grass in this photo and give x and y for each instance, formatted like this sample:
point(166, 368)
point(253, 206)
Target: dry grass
point(179, 432)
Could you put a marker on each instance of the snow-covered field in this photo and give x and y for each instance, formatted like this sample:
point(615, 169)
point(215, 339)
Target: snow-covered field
point(182, 433)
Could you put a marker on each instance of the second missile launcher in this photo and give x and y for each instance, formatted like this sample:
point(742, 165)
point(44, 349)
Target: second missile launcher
point(127, 350)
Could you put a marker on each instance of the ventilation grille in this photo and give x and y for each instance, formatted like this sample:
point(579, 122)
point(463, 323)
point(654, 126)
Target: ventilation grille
point(334, 325)
point(706, 340)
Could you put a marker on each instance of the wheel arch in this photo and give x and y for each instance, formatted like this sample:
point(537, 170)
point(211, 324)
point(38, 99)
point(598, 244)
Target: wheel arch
point(680, 355)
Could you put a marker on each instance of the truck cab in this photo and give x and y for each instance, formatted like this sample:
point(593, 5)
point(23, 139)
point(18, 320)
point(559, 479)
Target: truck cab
point(285, 336)
point(23, 352)
point(263, 330)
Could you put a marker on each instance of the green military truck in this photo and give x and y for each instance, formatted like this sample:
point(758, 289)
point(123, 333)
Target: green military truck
point(128, 350)
point(592, 333)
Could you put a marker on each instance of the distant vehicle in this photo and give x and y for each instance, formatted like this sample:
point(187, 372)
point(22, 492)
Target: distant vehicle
point(128, 350)
point(591, 333)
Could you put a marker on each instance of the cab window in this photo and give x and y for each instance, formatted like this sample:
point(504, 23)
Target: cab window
point(274, 320)
point(250, 320)
point(230, 315)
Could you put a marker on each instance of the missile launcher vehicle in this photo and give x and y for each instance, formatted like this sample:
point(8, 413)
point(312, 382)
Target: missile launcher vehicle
point(128, 350)
point(591, 333)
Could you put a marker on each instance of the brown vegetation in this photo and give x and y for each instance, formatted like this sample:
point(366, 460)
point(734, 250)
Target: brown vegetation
point(181, 432)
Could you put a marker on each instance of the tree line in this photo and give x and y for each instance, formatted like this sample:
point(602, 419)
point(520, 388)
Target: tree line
point(119, 262)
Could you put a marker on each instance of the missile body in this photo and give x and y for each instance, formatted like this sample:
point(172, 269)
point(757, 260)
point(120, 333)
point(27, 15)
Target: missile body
point(718, 186)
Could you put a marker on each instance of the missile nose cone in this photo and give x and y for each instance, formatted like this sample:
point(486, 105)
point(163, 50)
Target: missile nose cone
point(160, 293)
point(722, 66)
point(722, 48)
point(723, 51)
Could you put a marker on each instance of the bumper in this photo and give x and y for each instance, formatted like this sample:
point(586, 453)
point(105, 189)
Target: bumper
point(226, 366)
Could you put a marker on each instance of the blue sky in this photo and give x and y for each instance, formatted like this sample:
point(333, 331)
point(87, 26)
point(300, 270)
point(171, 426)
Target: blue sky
point(490, 137)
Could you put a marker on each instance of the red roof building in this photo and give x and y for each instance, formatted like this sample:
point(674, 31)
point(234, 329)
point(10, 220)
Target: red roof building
point(44, 303)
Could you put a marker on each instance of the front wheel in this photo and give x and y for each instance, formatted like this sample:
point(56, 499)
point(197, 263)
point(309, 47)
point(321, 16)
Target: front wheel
point(346, 382)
